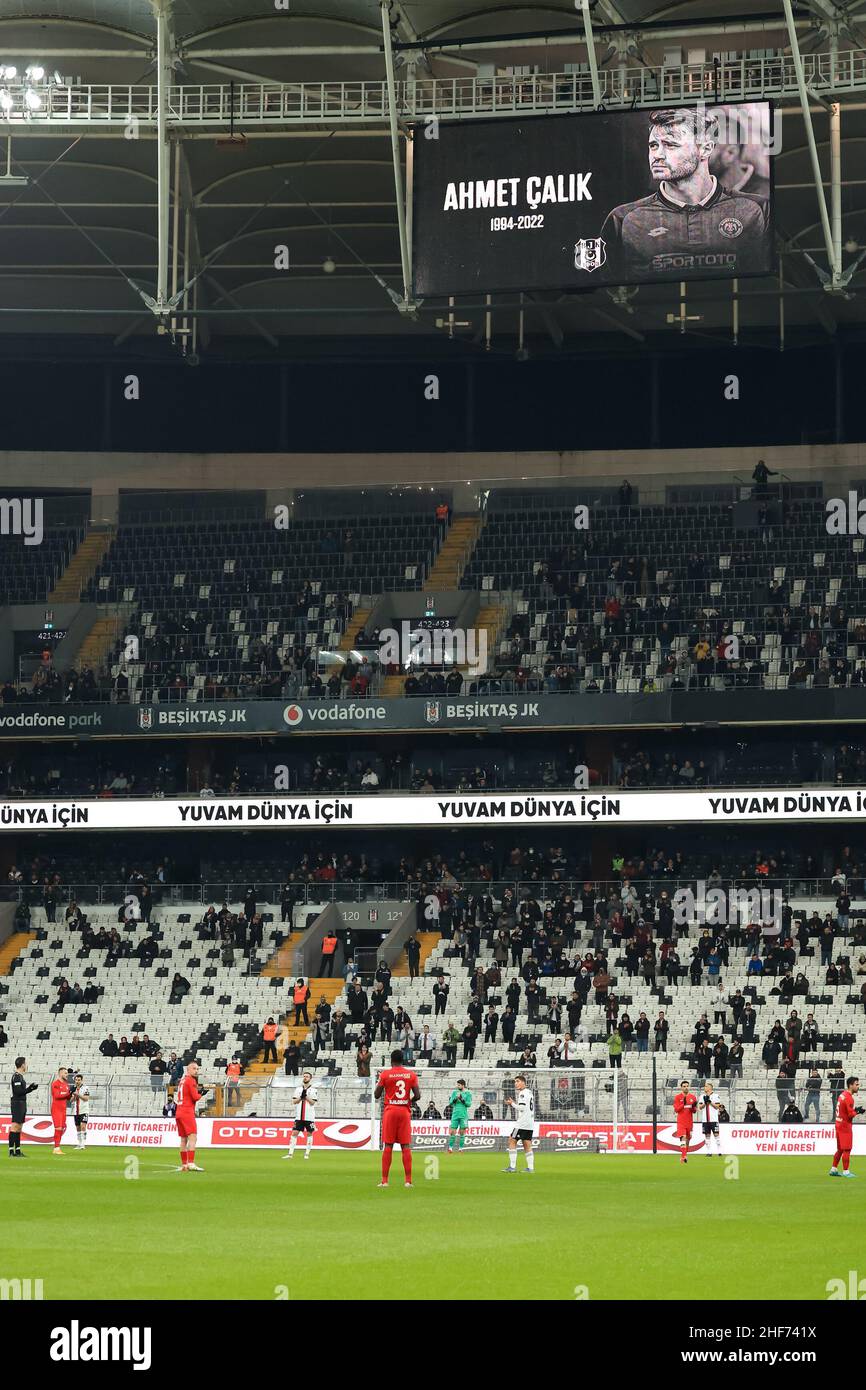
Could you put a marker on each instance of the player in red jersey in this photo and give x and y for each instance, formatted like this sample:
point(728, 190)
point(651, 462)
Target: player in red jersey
point(685, 1105)
point(60, 1093)
point(399, 1085)
point(845, 1112)
point(185, 1098)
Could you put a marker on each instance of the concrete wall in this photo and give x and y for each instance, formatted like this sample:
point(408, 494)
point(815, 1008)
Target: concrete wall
point(29, 617)
point(464, 473)
point(7, 918)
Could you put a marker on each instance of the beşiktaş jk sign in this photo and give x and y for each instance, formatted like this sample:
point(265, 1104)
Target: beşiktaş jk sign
point(482, 809)
point(582, 201)
point(280, 717)
point(439, 713)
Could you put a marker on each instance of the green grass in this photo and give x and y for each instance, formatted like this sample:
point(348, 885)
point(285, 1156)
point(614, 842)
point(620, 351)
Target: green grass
point(625, 1228)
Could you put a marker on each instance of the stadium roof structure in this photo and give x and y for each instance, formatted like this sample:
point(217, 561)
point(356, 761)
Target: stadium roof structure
point(157, 151)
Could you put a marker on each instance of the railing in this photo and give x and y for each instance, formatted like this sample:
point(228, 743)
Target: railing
point(498, 779)
point(251, 104)
point(217, 891)
point(572, 1093)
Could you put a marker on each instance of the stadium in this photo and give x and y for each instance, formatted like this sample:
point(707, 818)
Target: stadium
point(433, 657)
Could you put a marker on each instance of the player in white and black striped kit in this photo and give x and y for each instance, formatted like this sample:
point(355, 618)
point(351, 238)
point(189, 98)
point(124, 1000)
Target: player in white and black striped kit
point(524, 1126)
point(305, 1098)
point(81, 1110)
point(709, 1105)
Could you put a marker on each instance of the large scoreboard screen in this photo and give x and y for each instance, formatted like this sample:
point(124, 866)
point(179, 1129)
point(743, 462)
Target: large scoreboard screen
point(610, 198)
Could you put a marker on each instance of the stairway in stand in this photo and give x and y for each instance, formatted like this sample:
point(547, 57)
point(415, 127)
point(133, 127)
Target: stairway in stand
point(448, 568)
point(12, 948)
point(357, 623)
point(259, 1072)
point(82, 567)
point(428, 940)
point(97, 645)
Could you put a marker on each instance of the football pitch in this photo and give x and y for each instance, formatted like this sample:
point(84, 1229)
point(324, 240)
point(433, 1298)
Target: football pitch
point(253, 1226)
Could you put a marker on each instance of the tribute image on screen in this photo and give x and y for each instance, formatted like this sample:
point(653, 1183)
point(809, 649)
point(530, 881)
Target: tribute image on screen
point(573, 202)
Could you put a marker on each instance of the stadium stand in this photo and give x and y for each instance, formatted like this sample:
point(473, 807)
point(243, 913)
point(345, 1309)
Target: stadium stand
point(239, 609)
point(632, 604)
point(29, 572)
point(227, 992)
point(743, 757)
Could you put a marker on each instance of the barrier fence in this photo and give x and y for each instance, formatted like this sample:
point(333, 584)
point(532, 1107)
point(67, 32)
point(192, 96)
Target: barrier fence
point(268, 894)
point(571, 1095)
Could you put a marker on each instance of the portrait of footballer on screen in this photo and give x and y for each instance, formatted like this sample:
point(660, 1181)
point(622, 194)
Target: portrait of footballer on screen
point(708, 213)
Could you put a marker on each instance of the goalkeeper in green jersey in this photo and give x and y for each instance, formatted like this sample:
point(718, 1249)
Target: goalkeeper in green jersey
point(460, 1101)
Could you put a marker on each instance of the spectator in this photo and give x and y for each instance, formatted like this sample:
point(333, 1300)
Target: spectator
point(300, 997)
point(363, 1059)
point(329, 951)
point(413, 956)
point(791, 1114)
point(157, 1068)
point(357, 1002)
point(108, 1048)
point(234, 1071)
point(703, 1060)
point(440, 996)
point(180, 988)
point(614, 1047)
point(292, 1058)
point(269, 1039)
point(836, 1078)
point(813, 1095)
point(451, 1040)
point(176, 1069)
point(771, 1052)
point(785, 1086)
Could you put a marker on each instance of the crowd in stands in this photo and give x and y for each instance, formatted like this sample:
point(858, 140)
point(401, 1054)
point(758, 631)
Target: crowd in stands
point(460, 763)
point(558, 861)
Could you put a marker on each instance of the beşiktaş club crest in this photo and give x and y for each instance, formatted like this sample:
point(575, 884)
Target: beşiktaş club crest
point(432, 711)
point(145, 718)
point(589, 253)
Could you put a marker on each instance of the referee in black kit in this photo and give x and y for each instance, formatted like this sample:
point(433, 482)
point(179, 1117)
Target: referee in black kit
point(20, 1092)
